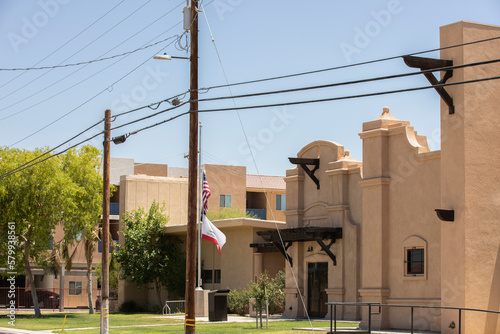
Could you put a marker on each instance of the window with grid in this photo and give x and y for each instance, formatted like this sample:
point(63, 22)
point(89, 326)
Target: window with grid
point(75, 288)
point(281, 202)
point(415, 261)
point(225, 201)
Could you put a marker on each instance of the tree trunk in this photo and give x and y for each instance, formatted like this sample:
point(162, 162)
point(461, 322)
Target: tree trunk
point(89, 289)
point(61, 289)
point(29, 275)
point(158, 291)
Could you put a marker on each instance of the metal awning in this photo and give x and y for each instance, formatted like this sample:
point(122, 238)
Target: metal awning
point(284, 238)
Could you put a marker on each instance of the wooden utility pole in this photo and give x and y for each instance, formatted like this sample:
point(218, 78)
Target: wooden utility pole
point(190, 326)
point(105, 226)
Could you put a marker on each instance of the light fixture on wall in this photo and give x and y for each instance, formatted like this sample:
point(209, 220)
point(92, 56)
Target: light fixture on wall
point(310, 248)
point(452, 325)
point(445, 215)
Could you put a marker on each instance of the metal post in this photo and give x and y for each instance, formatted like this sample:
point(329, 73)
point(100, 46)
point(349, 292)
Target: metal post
point(200, 210)
point(369, 318)
point(411, 320)
point(459, 321)
point(192, 182)
point(105, 225)
point(335, 316)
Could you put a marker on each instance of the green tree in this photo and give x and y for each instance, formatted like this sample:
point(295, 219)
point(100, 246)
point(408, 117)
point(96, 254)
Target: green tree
point(150, 256)
point(82, 166)
point(61, 190)
point(35, 199)
point(238, 300)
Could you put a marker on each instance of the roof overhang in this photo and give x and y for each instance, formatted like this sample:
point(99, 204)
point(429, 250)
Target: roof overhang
point(284, 238)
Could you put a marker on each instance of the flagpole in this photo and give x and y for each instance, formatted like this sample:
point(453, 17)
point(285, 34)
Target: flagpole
point(200, 201)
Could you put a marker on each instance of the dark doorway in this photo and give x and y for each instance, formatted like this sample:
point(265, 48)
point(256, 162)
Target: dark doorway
point(317, 282)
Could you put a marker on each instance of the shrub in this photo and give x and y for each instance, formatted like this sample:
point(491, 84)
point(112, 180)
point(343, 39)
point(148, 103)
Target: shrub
point(237, 301)
point(131, 307)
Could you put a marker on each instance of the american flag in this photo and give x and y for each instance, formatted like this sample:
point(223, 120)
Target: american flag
point(205, 194)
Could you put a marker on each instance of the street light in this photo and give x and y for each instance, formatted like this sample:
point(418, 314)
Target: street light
point(168, 57)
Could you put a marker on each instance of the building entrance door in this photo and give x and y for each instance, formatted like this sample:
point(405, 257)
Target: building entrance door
point(317, 282)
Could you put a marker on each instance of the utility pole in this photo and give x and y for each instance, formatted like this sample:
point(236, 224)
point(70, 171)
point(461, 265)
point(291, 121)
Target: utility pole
point(190, 325)
point(105, 226)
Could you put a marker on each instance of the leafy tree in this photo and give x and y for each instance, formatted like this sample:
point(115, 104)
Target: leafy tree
point(238, 300)
point(150, 256)
point(61, 190)
point(82, 166)
point(35, 200)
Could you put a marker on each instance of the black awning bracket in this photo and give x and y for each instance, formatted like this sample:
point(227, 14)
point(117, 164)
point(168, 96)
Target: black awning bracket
point(327, 250)
point(284, 250)
point(303, 162)
point(284, 238)
point(425, 64)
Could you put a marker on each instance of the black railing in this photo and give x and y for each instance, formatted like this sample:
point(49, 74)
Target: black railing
point(333, 312)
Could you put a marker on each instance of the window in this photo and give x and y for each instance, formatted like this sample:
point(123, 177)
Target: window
point(225, 201)
point(75, 288)
point(415, 258)
point(415, 261)
point(281, 202)
point(217, 276)
point(210, 276)
point(206, 276)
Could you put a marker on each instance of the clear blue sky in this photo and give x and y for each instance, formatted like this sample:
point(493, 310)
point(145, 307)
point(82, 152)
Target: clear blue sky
point(255, 39)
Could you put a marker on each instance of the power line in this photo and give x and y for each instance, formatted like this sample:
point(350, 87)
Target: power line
point(239, 108)
point(149, 116)
point(85, 62)
point(87, 101)
point(344, 83)
point(67, 42)
point(345, 66)
point(45, 87)
point(36, 160)
point(59, 80)
point(349, 96)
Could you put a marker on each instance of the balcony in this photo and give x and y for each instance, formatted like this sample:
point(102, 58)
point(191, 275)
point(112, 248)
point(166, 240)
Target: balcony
point(258, 213)
point(114, 209)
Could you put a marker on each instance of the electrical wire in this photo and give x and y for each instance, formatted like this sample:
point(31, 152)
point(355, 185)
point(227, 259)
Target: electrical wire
point(350, 96)
point(156, 104)
point(85, 62)
point(59, 80)
point(36, 160)
point(45, 87)
point(344, 83)
point(59, 48)
point(347, 66)
point(149, 116)
point(239, 108)
point(87, 101)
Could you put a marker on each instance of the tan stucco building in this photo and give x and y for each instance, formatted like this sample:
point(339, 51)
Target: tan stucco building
point(383, 240)
point(230, 187)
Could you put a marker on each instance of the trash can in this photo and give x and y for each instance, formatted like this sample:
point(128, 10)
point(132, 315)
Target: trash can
point(217, 305)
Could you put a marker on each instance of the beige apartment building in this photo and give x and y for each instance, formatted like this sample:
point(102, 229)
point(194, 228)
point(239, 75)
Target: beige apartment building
point(406, 226)
point(230, 186)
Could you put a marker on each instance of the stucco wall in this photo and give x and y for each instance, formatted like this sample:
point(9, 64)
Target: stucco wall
point(470, 170)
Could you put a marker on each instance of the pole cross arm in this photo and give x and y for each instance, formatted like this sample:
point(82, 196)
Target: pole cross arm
point(424, 64)
point(303, 162)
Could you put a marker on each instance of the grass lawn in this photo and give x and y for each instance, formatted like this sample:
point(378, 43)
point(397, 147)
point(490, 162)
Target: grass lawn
point(135, 323)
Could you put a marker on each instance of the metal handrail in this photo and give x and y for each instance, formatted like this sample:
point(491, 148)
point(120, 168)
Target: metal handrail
point(169, 309)
point(333, 312)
